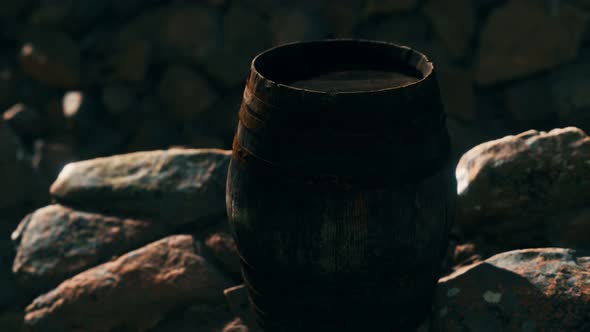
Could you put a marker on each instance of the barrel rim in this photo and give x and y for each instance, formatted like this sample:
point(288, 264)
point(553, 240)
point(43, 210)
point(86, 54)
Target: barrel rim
point(423, 60)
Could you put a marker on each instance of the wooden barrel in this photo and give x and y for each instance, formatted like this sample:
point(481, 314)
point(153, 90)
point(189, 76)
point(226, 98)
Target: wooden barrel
point(340, 192)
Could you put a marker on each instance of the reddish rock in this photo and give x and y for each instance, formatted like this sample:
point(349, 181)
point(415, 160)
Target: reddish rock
point(525, 190)
point(177, 186)
point(524, 290)
point(236, 326)
point(133, 292)
point(221, 244)
point(51, 57)
point(56, 242)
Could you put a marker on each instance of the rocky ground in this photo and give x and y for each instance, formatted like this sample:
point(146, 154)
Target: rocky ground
point(139, 242)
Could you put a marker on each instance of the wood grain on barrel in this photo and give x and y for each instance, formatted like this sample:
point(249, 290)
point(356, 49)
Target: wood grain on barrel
point(341, 204)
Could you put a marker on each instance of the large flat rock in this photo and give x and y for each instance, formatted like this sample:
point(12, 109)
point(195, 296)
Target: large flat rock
point(175, 186)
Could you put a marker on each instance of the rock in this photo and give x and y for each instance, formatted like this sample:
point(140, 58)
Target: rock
point(221, 244)
point(292, 24)
point(457, 93)
point(237, 297)
point(508, 50)
point(387, 6)
point(185, 93)
point(569, 90)
point(341, 16)
point(523, 290)
point(454, 23)
point(245, 34)
point(12, 320)
point(236, 326)
point(131, 62)
point(118, 98)
point(524, 185)
point(175, 186)
point(49, 158)
point(17, 174)
point(80, 111)
point(13, 8)
point(133, 292)
point(56, 242)
point(400, 29)
point(179, 33)
point(24, 120)
point(7, 284)
point(203, 317)
point(9, 80)
point(51, 57)
point(191, 32)
point(530, 100)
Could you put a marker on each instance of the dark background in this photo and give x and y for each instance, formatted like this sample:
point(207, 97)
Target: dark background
point(87, 78)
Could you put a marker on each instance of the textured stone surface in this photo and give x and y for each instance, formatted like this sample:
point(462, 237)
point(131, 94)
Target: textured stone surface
point(524, 290)
point(51, 57)
point(388, 6)
point(185, 93)
point(133, 292)
point(177, 186)
point(56, 242)
point(25, 121)
point(517, 189)
point(220, 243)
point(513, 47)
point(454, 22)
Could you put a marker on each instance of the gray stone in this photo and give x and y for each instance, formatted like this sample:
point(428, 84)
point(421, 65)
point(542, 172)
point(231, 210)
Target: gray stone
point(523, 185)
point(133, 292)
point(175, 186)
point(56, 242)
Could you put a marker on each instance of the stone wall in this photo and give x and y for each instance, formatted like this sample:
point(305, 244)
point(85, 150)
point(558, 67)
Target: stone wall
point(87, 78)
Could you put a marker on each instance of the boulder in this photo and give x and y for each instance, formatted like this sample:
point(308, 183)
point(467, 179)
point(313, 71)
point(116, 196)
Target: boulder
point(174, 186)
point(51, 57)
point(508, 47)
point(525, 190)
point(454, 23)
point(15, 166)
point(197, 317)
point(56, 242)
point(219, 242)
point(245, 34)
point(118, 98)
point(24, 120)
point(524, 290)
point(569, 90)
point(133, 292)
point(185, 93)
point(457, 93)
point(379, 7)
point(290, 24)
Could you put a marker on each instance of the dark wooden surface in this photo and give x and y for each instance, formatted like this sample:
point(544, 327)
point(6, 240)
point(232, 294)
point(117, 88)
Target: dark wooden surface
point(341, 204)
point(355, 80)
